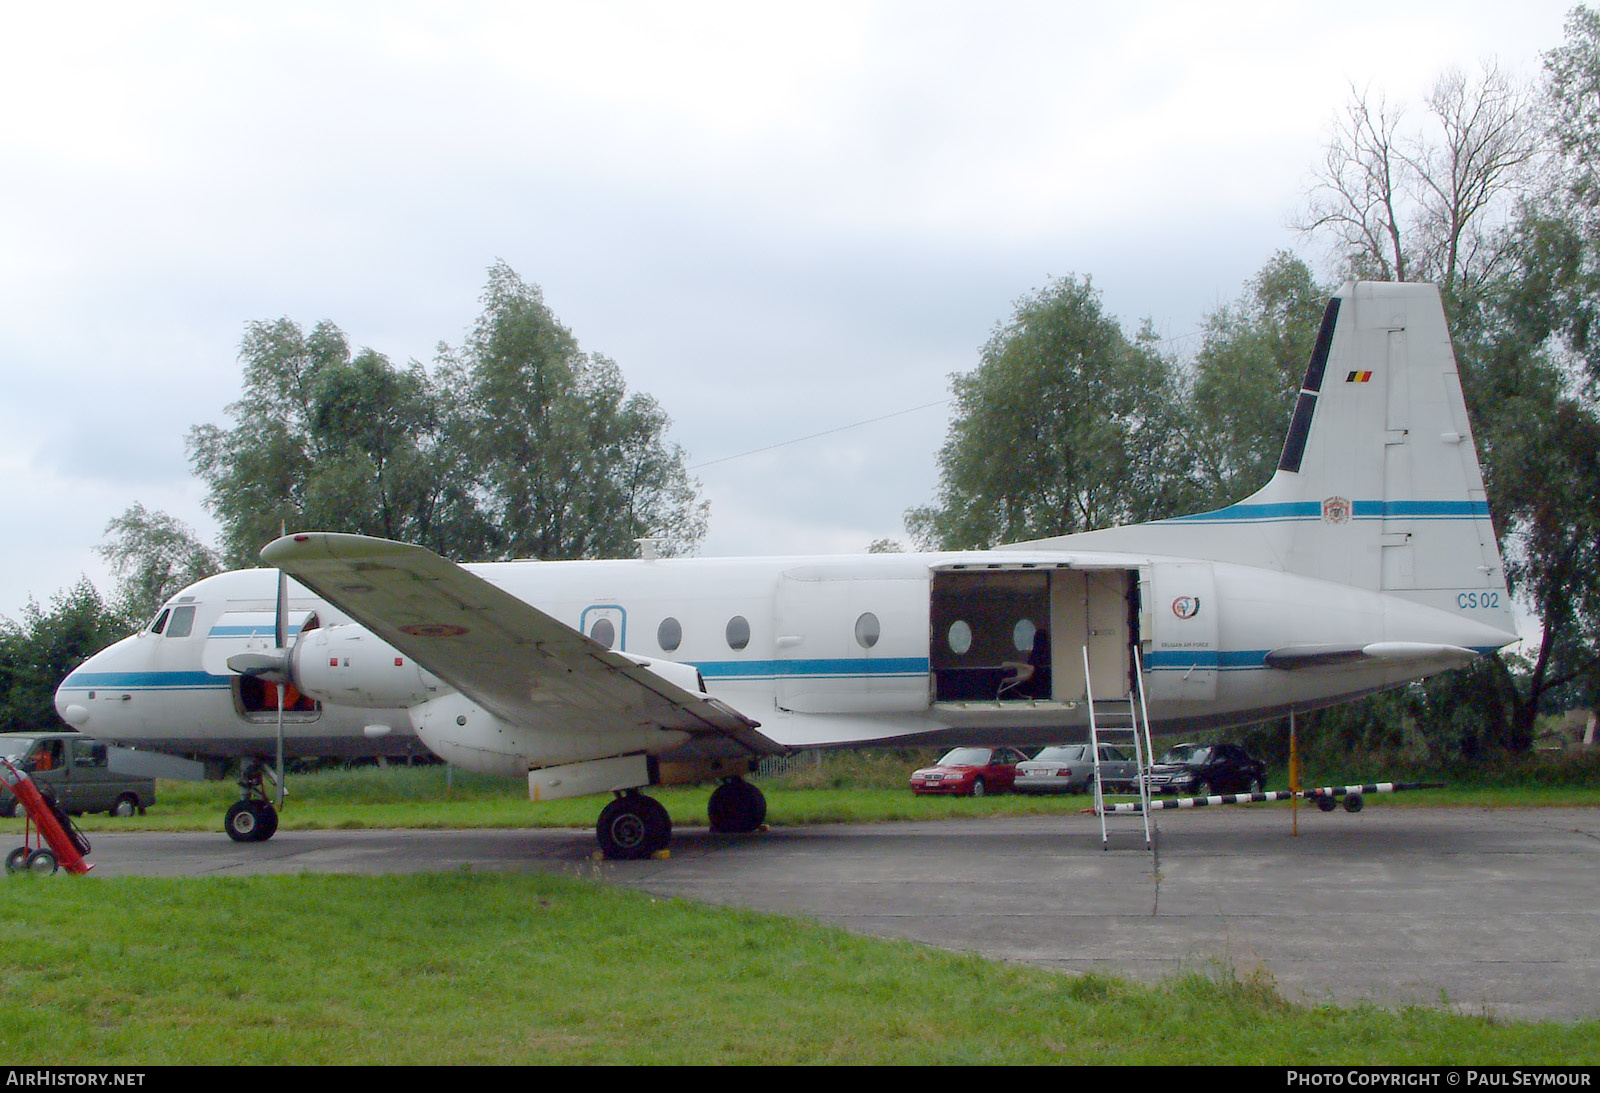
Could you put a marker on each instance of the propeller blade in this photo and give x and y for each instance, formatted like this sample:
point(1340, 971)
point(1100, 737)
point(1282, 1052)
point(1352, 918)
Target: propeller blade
point(278, 787)
point(280, 622)
point(268, 666)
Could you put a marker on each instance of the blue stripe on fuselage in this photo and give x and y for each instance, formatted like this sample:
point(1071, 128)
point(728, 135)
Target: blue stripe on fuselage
point(262, 630)
point(1166, 660)
point(843, 668)
point(145, 681)
point(1295, 511)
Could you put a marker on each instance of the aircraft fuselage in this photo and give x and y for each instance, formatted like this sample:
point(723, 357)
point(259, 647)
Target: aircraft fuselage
point(822, 651)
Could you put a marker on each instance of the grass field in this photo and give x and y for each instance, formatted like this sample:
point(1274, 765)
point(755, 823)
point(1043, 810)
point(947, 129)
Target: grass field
point(839, 788)
point(492, 968)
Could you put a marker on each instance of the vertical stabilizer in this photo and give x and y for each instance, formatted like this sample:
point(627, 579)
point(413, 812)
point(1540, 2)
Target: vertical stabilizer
point(1378, 486)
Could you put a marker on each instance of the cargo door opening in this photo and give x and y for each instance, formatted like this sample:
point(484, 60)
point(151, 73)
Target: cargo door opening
point(1018, 634)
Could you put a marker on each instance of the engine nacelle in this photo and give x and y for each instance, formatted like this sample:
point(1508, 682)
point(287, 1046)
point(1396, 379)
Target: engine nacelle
point(348, 666)
point(686, 676)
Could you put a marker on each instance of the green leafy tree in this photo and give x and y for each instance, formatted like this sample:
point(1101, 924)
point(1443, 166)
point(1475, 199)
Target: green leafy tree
point(1561, 229)
point(1530, 366)
point(1065, 425)
point(38, 652)
point(1246, 374)
point(322, 439)
point(516, 444)
point(1539, 428)
point(1463, 203)
point(153, 555)
point(565, 461)
point(1572, 86)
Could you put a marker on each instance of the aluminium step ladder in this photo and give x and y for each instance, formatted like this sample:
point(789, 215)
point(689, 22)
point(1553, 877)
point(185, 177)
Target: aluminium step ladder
point(1113, 724)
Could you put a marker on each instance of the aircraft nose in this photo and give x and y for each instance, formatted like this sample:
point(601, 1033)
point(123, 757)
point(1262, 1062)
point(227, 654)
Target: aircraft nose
point(71, 701)
point(76, 695)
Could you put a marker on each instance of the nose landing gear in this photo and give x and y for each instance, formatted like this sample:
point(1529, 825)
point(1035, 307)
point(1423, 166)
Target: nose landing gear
point(252, 818)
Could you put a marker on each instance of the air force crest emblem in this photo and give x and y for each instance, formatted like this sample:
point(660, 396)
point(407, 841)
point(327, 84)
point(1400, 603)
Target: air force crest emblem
point(1336, 510)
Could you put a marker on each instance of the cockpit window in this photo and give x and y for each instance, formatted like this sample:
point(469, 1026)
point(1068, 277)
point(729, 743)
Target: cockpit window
point(182, 622)
point(161, 621)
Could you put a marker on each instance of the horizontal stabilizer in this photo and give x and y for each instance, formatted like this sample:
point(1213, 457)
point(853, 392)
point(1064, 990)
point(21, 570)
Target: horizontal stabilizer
point(1399, 653)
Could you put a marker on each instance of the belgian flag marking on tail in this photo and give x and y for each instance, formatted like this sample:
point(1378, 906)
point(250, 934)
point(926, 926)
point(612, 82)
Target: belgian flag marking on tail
point(1358, 377)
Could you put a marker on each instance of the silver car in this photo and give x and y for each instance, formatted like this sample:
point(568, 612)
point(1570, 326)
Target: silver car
point(1068, 768)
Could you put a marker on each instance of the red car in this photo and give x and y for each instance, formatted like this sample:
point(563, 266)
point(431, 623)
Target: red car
point(969, 772)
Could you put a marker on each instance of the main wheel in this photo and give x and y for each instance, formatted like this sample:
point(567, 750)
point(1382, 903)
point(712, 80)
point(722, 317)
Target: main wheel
point(42, 862)
point(251, 821)
point(736, 807)
point(633, 827)
point(17, 860)
point(125, 806)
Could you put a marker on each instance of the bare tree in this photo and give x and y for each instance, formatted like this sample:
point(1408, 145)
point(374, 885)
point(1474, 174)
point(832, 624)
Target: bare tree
point(1359, 189)
point(1425, 202)
point(1472, 171)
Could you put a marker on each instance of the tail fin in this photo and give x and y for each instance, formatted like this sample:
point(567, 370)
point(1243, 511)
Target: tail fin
point(1378, 486)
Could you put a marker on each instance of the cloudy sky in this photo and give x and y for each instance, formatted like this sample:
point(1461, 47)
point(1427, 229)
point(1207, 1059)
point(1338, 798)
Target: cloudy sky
point(778, 218)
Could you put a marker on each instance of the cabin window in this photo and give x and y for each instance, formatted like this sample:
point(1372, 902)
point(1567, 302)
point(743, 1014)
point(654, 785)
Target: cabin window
point(604, 632)
point(669, 635)
point(960, 637)
point(182, 622)
point(867, 631)
point(738, 632)
point(1022, 635)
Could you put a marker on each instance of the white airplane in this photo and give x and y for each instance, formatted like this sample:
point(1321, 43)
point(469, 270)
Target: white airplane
point(1367, 561)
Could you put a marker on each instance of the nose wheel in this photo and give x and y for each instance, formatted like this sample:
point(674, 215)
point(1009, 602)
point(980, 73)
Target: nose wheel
point(251, 821)
point(252, 818)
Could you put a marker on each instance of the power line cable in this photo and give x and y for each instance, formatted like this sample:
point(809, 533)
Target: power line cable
point(814, 436)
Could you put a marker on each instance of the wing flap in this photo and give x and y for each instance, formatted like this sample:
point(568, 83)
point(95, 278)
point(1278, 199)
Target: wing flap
point(520, 664)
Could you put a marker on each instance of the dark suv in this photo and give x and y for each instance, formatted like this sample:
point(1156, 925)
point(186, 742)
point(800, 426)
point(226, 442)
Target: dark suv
point(1200, 770)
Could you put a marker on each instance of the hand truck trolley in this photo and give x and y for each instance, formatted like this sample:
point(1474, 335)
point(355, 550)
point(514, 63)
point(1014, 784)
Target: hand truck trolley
point(50, 840)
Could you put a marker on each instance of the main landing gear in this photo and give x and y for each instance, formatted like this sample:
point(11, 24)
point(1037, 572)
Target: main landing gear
point(634, 826)
point(251, 819)
point(736, 807)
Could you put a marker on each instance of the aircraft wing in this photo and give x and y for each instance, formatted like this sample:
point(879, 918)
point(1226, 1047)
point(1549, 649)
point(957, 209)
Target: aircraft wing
point(510, 658)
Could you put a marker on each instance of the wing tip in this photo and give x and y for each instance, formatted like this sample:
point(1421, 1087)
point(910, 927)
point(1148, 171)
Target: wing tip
point(302, 545)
